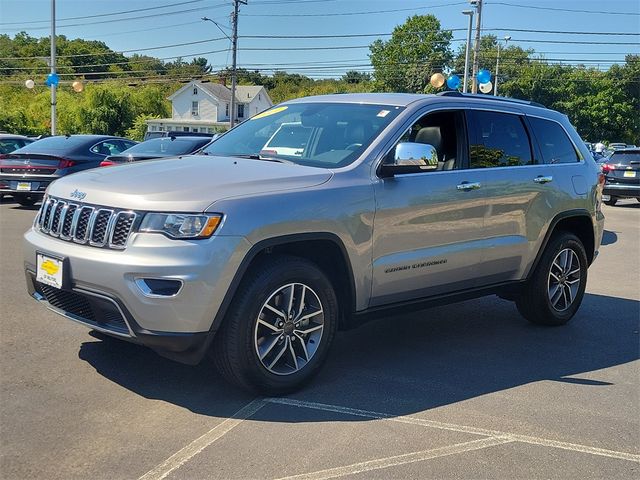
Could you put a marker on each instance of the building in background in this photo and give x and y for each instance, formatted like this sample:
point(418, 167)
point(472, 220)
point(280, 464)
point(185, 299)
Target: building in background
point(204, 107)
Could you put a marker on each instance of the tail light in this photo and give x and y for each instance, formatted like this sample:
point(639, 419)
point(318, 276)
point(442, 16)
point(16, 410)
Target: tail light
point(106, 163)
point(64, 163)
point(606, 168)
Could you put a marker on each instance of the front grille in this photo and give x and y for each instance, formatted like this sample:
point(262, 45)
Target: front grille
point(86, 224)
point(96, 311)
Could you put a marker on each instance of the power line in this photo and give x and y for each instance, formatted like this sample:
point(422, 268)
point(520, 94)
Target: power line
point(180, 12)
point(535, 7)
point(110, 14)
point(340, 14)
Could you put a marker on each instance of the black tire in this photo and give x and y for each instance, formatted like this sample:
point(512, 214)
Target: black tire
point(534, 304)
point(235, 346)
point(26, 200)
point(612, 200)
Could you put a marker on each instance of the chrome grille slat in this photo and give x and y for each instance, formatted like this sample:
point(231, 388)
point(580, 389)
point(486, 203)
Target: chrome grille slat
point(86, 224)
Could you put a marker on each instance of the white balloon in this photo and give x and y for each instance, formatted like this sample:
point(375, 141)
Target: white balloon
point(486, 87)
point(29, 84)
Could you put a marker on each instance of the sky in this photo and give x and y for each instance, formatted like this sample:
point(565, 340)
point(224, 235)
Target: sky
point(159, 23)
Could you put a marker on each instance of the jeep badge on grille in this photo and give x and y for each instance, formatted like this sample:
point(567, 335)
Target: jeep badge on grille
point(78, 194)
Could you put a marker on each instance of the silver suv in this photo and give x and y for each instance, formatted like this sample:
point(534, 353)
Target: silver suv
point(258, 256)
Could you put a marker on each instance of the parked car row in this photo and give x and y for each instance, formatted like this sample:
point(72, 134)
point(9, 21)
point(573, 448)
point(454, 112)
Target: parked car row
point(27, 167)
point(622, 175)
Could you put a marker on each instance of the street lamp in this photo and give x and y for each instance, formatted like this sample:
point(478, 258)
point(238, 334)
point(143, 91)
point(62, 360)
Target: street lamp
point(495, 88)
point(469, 13)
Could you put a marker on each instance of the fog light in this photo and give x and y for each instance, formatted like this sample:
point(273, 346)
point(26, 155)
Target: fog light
point(159, 287)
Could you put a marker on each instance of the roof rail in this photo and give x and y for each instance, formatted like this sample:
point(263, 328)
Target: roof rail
point(454, 93)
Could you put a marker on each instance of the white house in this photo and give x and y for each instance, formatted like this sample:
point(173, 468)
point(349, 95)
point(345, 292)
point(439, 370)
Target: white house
point(201, 106)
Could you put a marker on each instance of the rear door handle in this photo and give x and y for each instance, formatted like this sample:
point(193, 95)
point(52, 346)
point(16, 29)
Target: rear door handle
point(543, 179)
point(465, 186)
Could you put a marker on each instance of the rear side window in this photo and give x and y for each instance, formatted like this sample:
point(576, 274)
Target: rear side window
point(553, 141)
point(498, 140)
point(625, 158)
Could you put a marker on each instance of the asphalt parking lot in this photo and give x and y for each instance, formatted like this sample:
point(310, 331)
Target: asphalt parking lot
point(464, 391)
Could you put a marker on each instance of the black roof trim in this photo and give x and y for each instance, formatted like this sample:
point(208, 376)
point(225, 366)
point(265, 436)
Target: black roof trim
point(453, 93)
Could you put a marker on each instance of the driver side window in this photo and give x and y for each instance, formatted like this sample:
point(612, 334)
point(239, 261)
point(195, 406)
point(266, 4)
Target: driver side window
point(441, 130)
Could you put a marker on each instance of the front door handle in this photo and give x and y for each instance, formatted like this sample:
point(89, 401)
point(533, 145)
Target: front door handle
point(543, 179)
point(466, 186)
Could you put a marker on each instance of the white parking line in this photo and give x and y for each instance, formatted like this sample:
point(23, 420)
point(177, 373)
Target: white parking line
point(185, 454)
point(460, 428)
point(400, 459)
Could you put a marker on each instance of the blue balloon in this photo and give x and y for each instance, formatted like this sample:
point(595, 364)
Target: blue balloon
point(484, 76)
point(52, 79)
point(453, 82)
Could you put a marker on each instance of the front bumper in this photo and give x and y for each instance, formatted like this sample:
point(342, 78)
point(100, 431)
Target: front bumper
point(621, 190)
point(103, 294)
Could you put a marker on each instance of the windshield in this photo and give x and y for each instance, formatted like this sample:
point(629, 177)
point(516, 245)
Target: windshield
point(166, 146)
point(327, 135)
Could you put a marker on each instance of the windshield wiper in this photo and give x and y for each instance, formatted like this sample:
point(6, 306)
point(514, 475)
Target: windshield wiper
point(255, 156)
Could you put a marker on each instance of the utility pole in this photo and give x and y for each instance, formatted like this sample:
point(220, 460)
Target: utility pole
point(469, 13)
point(476, 48)
point(53, 66)
point(234, 46)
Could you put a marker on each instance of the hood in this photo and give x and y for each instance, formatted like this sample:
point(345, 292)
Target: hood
point(186, 184)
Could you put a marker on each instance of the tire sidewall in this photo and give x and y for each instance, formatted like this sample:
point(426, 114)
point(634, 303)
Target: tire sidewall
point(558, 244)
point(262, 287)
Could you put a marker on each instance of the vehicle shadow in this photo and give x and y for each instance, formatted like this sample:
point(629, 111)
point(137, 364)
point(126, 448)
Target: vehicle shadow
point(410, 363)
point(609, 237)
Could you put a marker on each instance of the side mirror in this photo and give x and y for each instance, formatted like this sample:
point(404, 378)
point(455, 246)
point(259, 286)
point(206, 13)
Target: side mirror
point(410, 157)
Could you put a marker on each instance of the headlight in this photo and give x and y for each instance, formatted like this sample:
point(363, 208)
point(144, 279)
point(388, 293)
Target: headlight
point(181, 225)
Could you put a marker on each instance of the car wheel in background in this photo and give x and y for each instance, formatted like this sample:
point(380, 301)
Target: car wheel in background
point(611, 201)
point(26, 200)
point(554, 292)
point(278, 330)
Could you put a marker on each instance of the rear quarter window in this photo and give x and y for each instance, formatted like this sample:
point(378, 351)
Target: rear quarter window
point(555, 145)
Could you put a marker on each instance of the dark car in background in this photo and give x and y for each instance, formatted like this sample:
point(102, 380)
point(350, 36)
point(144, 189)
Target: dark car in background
point(622, 175)
point(158, 148)
point(27, 172)
point(178, 133)
point(9, 143)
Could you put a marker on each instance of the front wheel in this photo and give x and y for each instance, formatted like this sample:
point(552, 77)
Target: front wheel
point(279, 328)
point(555, 291)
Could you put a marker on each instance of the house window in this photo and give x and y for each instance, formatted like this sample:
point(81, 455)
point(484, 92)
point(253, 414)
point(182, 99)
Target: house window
point(195, 90)
point(226, 111)
point(241, 110)
point(194, 109)
point(259, 98)
point(194, 129)
point(185, 129)
point(161, 129)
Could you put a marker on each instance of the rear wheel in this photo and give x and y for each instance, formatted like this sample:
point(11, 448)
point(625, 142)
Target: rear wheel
point(612, 200)
point(556, 288)
point(279, 328)
point(26, 200)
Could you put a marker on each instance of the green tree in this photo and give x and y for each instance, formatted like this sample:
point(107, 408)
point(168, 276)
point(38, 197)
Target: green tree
point(417, 48)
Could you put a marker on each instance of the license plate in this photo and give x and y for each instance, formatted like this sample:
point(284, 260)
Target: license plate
point(24, 186)
point(49, 270)
point(630, 173)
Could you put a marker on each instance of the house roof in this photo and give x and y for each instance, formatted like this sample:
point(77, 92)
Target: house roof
point(244, 93)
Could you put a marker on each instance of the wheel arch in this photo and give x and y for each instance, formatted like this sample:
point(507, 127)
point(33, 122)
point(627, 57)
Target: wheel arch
point(579, 223)
point(324, 249)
